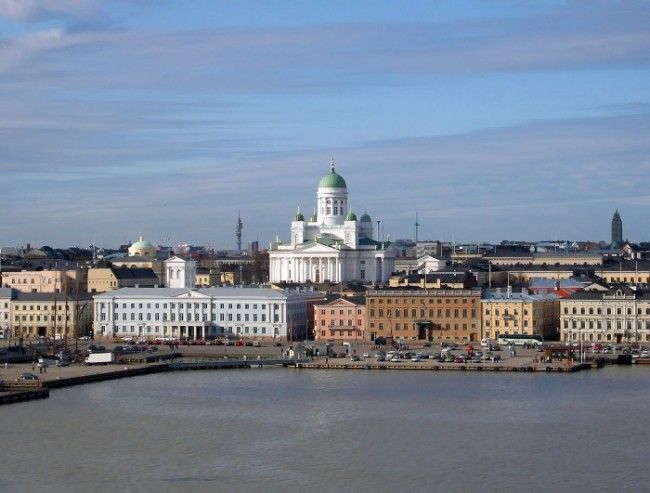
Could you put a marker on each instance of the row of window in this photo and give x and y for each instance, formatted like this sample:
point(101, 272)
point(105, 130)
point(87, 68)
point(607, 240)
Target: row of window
point(423, 313)
point(189, 306)
point(188, 317)
point(414, 301)
point(608, 310)
point(607, 324)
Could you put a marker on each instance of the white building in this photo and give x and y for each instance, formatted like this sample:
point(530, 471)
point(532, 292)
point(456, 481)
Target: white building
point(180, 273)
point(6, 295)
point(333, 245)
point(175, 313)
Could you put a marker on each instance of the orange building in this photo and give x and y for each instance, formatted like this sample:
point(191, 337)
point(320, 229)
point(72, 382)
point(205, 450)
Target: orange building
point(424, 314)
point(342, 319)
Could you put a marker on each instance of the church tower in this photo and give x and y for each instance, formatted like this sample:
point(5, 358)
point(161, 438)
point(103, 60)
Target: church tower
point(332, 198)
point(617, 230)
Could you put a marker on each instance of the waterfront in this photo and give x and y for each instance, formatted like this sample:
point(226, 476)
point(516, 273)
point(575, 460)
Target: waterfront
point(273, 429)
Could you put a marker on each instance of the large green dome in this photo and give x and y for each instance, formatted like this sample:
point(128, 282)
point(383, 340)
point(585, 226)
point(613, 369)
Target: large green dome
point(332, 180)
point(366, 218)
point(351, 216)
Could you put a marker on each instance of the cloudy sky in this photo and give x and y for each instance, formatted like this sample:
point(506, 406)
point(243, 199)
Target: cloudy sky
point(518, 119)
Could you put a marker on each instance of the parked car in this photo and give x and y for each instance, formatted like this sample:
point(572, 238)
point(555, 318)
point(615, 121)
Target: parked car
point(28, 376)
point(239, 343)
point(257, 344)
point(365, 355)
point(62, 362)
point(380, 356)
point(415, 359)
point(355, 357)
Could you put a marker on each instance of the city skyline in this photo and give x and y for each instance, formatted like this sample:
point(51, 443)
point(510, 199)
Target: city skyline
point(491, 120)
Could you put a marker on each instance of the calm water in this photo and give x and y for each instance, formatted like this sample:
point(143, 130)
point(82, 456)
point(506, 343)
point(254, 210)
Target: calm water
point(279, 430)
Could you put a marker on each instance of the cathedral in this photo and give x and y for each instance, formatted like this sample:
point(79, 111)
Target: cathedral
point(333, 245)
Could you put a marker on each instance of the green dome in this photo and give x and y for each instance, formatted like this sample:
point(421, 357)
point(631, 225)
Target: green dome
point(366, 218)
point(351, 216)
point(299, 217)
point(332, 180)
point(314, 217)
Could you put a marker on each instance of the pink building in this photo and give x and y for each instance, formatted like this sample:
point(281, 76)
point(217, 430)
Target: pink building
point(342, 319)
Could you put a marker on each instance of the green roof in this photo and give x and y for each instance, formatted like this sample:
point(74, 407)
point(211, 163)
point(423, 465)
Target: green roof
point(366, 218)
point(351, 216)
point(314, 217)
point(332, 180)
point(299, 217)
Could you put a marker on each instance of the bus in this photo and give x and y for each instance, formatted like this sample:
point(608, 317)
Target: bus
point(533, 340)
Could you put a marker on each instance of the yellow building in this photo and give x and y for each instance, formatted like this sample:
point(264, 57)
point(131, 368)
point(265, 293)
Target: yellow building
point(50, 314)
point(103, 279)
point(626, 272)
point(506, 312)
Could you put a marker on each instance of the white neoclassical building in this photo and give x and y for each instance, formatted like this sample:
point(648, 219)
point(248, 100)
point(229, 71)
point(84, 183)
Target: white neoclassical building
point(175, 313)
point(333, 245)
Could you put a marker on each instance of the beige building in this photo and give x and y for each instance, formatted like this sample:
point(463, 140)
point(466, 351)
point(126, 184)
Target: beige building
point(507, 312)
point(50, 314)
point(45, 281)
point(559, 258)
point(615, 316)
point(103, 279)
point(628, 272)
point(205, 278)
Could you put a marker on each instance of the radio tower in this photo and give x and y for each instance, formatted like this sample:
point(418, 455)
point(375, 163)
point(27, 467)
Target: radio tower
point(238, 229)
point(417, 227)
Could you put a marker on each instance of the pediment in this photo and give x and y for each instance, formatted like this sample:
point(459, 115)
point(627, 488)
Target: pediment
point(316, 248)
point(193, 295)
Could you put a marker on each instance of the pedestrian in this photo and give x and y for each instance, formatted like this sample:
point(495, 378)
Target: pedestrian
point(326, 360)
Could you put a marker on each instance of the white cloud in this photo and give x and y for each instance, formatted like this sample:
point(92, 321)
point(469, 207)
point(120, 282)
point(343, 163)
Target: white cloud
point(28, 10)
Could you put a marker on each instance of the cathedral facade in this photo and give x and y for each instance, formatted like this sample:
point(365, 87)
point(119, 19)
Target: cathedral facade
point(333, 245)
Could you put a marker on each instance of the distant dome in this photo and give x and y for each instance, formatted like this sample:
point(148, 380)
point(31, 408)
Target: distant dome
point(299, 217)
point(351, 216)
point(332, 179)
point(365, 218)
point(314, 217)
point(142, 248)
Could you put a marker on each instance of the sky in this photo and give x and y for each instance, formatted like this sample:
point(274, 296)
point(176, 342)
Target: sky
point(508, 119)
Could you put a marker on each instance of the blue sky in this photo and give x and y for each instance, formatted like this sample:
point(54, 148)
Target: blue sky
point(492, 119)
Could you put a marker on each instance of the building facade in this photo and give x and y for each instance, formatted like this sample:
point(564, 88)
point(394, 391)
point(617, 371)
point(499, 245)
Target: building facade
point(6, 295)
point(443, 314)
point(103, 279)
point(342, 319)
point(507, 312)
point(45, 281)
point(333, 245)
point(618, 315)
point(50, 315)
point(175, 313)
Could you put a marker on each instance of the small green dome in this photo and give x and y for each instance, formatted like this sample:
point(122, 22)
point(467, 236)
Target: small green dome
point(366, 218)
point(314, 217)
point(351, 216)
point(332, 179)
point(299, 217)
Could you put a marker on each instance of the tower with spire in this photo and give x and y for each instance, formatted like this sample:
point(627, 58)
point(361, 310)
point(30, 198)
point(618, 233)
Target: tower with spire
point(617, 230)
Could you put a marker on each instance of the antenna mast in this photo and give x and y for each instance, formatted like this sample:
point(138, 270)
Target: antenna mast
point(417, 228)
